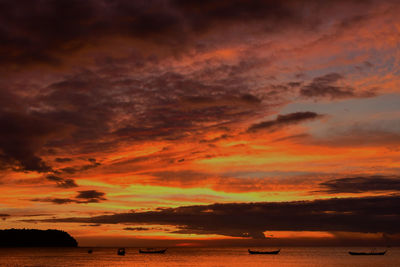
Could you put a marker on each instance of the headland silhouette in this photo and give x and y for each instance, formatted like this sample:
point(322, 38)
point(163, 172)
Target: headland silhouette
point(36, 238)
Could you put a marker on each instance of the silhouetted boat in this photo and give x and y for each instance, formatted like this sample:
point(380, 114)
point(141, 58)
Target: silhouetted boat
point(90, 251)
point(152, 251)
point(274, 252)
point(367, 253)
point(121, 252)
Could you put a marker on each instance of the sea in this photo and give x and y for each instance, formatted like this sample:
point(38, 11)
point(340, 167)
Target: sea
point(288, 257)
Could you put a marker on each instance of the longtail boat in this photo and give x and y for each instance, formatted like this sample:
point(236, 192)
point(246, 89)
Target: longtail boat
point(264, 252)
point(121, 251)
point(366, 253)
point(152, 251)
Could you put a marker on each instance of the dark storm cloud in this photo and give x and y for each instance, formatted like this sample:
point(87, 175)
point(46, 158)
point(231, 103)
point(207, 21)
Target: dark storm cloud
point(324, 86)
point(155, 104)
point(91, 195)
point(75, 169)
point(165, 106)
point(188, 104)
point(90, 166)
point(366, 214)
point(69, 170)
point(63, 160)
point(284, 120)
point(159, 113)
point(61, 182)
point(72, 102)
point(222, 100)
point(72, 118)
point(87, 196)
point(361, 184)
point(137, 229)
point(40, 32)
point(21, 135)
point(250, 99)
point(328, 86)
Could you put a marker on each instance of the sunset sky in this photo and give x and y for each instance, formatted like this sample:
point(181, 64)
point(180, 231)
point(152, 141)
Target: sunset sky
point(188, 123)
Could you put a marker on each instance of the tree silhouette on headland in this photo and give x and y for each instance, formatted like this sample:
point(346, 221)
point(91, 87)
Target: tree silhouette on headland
point(36, 238)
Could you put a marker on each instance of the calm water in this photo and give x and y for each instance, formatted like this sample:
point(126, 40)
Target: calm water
point(291, 256)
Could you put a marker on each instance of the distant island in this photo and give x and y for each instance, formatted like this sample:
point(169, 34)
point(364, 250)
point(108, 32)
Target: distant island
point(36, 238)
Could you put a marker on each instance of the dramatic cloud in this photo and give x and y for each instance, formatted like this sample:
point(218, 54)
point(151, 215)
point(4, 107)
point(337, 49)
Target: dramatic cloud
point(34, 34)
point(362, 184)
point(328, 86)
point(168, 106)
point(63, 159)
point(75, 169)
point(21, 135)
point(324, 86)
point(367, 214)
point(284, 120)
point(137, 229)
point(87, 196)
point(91, 195)
point(131, 94)
point(62, 182)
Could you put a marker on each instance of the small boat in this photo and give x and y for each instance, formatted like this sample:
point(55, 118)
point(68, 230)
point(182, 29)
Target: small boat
point(366, 253)
point(152, 251)
point(121, 251)
point(274, 252)
point(90, 251)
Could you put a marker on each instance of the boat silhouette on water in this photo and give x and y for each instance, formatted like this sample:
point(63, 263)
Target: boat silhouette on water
point(274, 252)
point(367, 253)
point(152, 251)
point(121, 251)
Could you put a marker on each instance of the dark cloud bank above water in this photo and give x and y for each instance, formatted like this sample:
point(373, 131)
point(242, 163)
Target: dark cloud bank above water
point(364, 214)
point(362, 184)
